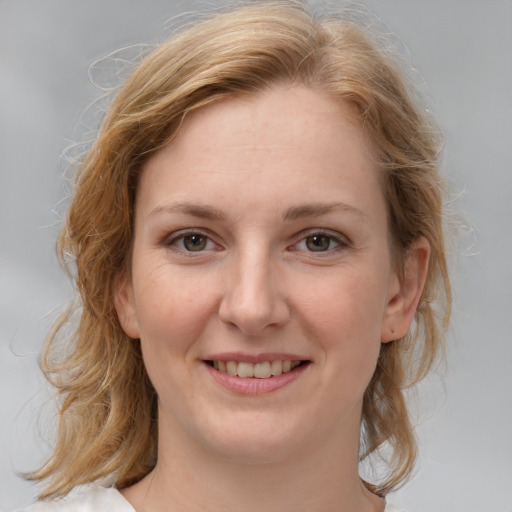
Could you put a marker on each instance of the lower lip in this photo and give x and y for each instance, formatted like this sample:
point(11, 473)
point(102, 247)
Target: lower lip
point(253, 385)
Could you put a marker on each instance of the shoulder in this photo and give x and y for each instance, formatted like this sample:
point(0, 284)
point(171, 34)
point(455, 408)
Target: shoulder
point(392, 508)
point(103, 499)
point(93, 499)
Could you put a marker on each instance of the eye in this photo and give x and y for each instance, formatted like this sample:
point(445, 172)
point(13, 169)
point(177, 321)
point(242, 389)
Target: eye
point(195, 242)
point(191, 242)
point(320, 242)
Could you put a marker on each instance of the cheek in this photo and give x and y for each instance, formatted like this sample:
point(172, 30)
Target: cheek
point(344, 316)
point(172, 310)
point(347, 306)
point(172, 316)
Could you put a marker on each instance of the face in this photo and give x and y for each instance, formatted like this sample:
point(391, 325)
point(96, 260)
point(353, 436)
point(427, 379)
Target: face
point(262, 284)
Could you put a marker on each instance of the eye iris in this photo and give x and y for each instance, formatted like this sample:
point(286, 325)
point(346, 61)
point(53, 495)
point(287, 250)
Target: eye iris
point(318, 242)
point(194, 242)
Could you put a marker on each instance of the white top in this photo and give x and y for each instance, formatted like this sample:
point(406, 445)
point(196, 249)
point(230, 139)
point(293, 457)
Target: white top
point(102, 499)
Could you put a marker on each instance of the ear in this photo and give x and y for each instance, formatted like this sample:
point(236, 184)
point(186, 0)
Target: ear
point(405, 292)
point(125, 305)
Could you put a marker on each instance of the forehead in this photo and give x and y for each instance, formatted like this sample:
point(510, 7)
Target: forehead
point(283, 143)
point(284, 114)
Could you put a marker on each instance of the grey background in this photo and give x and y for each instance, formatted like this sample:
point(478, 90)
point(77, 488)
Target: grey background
point(462, 49)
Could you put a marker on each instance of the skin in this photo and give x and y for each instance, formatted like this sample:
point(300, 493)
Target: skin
point(254, 179)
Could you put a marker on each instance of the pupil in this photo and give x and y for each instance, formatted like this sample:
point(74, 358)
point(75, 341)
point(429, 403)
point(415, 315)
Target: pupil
point(318, 242)
point(194, 242)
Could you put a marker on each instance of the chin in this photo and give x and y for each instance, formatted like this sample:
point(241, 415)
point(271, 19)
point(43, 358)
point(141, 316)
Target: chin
point(252, 440)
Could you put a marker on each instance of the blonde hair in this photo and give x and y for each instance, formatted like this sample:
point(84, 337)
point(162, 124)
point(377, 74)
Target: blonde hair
point(108, 417)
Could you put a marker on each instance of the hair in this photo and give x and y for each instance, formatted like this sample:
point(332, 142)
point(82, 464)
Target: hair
point(107, 404)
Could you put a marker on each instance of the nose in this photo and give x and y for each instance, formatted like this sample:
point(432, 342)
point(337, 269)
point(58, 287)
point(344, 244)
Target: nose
point(253, 300)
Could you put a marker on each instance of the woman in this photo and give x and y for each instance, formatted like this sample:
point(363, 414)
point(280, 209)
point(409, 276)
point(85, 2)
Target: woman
point(254, 231)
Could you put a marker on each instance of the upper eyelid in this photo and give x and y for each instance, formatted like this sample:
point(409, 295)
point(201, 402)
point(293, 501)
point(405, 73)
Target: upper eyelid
point(342, 243)
point(187, 231)
point(342, 239)
point(182, 233)
point(335, 235)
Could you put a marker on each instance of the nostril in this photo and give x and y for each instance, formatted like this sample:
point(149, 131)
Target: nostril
point(253, 321)
point(251, 298)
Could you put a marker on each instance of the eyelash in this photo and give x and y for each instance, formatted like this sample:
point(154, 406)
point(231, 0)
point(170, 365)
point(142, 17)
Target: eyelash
point(173, 241)
point(339, 241)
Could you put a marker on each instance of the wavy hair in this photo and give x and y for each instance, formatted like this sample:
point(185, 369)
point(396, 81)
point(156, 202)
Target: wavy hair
point(107, 405)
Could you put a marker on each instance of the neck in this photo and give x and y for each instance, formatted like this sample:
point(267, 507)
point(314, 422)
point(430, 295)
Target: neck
point(189, 478)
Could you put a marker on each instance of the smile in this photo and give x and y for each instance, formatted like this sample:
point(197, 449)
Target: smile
point(262, 370)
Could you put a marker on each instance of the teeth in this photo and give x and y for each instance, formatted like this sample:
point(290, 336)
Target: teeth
point(231, 367)
point(276, 367)
point(245, 370)
point(262, 370)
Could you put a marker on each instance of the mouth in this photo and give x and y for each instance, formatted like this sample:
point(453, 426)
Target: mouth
point(261, 370)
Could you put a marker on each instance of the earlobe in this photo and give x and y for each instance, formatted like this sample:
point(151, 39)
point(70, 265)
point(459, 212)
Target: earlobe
point(406, 292)
point(125, 306)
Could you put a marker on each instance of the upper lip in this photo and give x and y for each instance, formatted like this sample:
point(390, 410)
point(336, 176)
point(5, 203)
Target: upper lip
point(255, 358)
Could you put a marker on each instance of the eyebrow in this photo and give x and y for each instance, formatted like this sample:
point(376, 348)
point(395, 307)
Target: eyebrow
point(316, 209)
point(293, 213)
point(196, 210)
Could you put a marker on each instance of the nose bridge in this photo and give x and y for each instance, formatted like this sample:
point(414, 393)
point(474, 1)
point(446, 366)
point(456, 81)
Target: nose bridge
point(253, 300)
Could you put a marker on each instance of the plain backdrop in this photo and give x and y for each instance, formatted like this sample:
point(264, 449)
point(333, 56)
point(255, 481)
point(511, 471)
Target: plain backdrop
point(461, 49)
